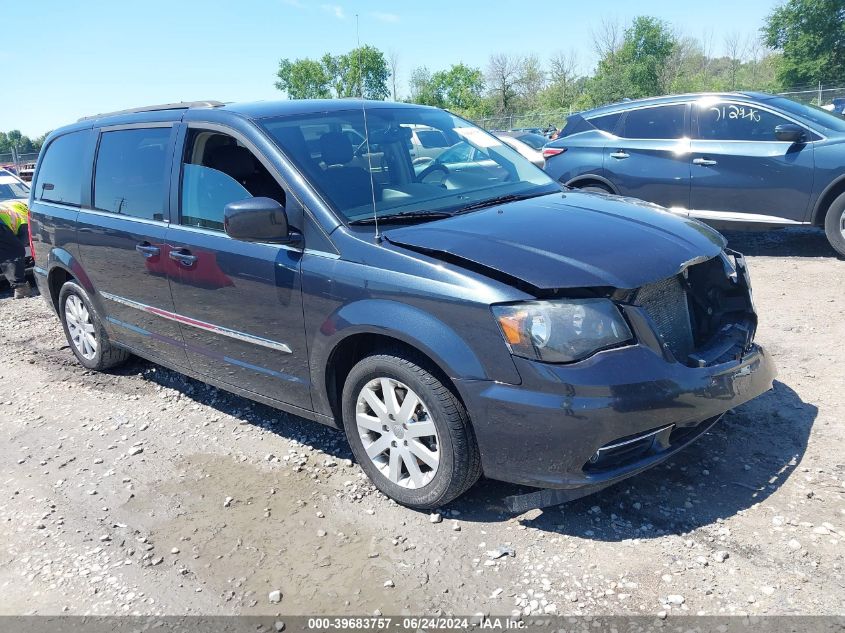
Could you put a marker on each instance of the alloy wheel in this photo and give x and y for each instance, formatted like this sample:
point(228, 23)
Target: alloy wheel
point(398, 433)
point(80, 327)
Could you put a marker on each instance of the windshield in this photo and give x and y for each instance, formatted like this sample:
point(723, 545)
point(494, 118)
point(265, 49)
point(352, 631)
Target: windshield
point(12, 190)
point(811, 113)
point(378, 167)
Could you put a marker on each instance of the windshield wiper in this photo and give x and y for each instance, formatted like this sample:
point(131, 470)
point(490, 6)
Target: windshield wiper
point(400, 218)
point(492, 202)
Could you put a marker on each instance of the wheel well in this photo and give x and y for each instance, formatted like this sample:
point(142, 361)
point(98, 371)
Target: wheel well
point(824, 204)
point(352, 349)
point(595, 182)
point(57, 278)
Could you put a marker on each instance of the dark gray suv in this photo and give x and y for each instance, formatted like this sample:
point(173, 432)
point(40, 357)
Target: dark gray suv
point(461, 319)
point(736, 159)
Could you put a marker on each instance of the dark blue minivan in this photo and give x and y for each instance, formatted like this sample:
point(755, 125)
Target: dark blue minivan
point(732, 160)
point(454, 318)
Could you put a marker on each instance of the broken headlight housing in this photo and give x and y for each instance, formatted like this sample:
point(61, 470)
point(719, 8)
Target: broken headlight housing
point(561, 331)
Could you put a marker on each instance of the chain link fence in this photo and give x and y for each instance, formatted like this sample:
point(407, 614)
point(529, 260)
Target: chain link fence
point(21, 164)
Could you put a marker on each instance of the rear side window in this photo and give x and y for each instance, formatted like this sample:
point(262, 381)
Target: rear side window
point(607, 123)
point(60, 174)
point(737, 122)
point(130, 177)
point(662, 122)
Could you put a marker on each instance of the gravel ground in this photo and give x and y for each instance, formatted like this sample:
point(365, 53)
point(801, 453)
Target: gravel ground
point(143, 492)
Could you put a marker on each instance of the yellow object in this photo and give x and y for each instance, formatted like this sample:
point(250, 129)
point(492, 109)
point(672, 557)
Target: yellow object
point(14, 215)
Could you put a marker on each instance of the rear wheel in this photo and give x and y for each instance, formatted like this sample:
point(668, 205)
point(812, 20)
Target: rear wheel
point(409, 432)
point(834, 225)
point(85, 332)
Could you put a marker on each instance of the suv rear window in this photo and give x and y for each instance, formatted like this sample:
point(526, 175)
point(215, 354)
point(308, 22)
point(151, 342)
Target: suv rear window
point(574, 124)
point(60, 174)
point(130, 177)
point(432, 138)
point(661, 122)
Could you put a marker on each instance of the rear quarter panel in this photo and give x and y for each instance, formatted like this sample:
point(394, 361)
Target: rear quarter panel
point(584, 155)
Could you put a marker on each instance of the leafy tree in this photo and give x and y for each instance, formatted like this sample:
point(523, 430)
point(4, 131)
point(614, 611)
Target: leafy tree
point(422, 89)
point(636, 67)
point(303, 79)
point(811, 35)
point(17, 141)
point(503, 74)
point(361, 72)
point(530, 80)
point(460, 88)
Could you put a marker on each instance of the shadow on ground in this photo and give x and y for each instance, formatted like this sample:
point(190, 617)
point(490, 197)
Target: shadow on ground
point(792, 242)
point(746, 457)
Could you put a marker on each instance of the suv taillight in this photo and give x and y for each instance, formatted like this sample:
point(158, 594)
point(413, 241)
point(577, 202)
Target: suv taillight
point(548, 152)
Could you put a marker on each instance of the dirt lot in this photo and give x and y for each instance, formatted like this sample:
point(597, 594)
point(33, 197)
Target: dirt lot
point(145, 492)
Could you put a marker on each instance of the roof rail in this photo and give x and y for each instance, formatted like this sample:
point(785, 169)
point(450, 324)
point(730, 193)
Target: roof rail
point(182, 105)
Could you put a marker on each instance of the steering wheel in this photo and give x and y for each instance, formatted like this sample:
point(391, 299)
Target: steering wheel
point(435, 166)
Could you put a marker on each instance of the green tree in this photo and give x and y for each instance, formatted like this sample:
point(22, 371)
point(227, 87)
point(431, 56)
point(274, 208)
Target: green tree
point(303, 79)
point(460, 88)
point(423, 90)
point(361, 72)
point(811, 35)
point(638, 67)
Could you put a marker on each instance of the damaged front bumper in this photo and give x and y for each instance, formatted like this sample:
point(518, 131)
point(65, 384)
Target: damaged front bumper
point(579, 428)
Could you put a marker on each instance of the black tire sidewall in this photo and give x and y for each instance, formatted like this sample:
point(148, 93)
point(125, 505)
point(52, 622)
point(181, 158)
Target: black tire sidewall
point(832, 225)
point(378, 366)
point(71, 288)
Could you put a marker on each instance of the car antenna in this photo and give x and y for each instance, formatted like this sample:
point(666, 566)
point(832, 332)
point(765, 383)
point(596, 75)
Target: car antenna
point(366, 129)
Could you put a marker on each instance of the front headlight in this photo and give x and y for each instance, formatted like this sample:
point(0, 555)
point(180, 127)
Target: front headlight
point(561, 331)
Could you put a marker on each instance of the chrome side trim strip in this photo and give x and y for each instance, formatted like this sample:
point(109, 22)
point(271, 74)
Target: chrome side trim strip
point(640, 438)
point(735, 216)
point(201, 325)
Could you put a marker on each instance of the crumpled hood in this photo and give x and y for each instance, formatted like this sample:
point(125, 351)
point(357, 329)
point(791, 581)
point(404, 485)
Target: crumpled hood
point(569, 240)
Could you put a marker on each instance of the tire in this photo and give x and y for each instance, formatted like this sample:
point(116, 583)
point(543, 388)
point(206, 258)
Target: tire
point(595, 188)
point(834, 225)
point(77, 313)
point(458, 464)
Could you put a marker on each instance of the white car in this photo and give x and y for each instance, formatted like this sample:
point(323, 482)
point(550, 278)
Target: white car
point(528, 144)
point(12, 187)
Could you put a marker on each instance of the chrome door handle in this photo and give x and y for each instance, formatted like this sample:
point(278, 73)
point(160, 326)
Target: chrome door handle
point(147, 250)
point(183, 257)
point(620, 154)
point(706, 162)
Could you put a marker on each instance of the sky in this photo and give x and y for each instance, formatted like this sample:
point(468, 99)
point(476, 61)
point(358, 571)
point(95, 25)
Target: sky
point(71, 59)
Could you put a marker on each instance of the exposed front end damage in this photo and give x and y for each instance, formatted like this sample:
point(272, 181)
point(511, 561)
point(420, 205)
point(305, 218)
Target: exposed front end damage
point(583, 426)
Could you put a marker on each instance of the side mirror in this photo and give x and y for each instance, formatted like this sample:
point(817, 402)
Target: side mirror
point(257, 220)
point(790, 133)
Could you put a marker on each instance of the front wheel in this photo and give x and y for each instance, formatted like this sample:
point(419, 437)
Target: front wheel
point(409, 432)
point(85, 332)
point(834, 225)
